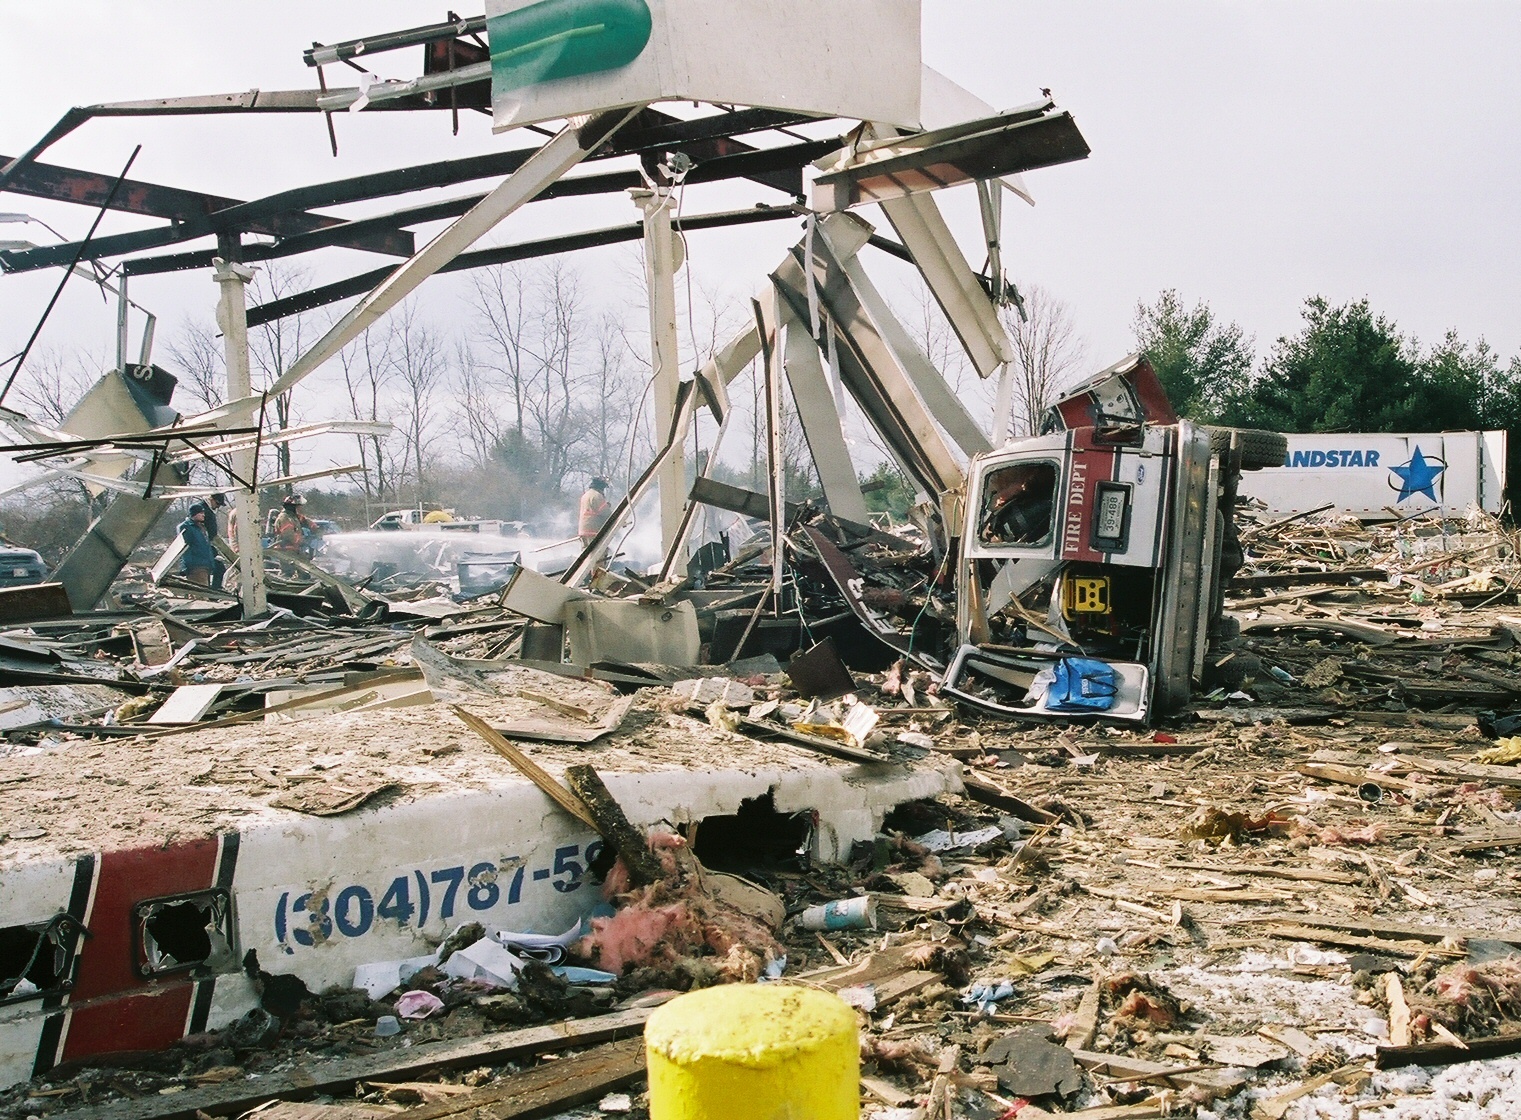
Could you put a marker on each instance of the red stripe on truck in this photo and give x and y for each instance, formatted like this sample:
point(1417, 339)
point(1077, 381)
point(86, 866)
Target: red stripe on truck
point(1092, 463)
point(111, 1007)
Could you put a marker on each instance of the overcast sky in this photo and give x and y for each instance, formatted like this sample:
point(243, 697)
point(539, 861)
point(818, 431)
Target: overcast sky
point(1249, 154)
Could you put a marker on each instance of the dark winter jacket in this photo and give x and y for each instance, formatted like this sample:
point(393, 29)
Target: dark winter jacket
point(198, 550)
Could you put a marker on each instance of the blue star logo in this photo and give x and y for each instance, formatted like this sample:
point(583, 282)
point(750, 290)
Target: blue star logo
point(1417, 476)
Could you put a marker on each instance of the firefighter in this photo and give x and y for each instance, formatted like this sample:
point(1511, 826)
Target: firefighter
point(595, 510)
point(1019, 504)
point(294, 531)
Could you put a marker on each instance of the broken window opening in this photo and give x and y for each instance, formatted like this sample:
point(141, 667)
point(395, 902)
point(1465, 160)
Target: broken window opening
point(1017, 504)
point(183, 931)
point(36, 960)
point(757, 838)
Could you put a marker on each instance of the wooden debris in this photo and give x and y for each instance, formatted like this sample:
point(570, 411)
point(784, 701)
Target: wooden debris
point(1446, 1053)
point(1399, 1010)
point(340, 1076)
point(607, 817)
point(547, 1088)
point(1085, 1022)
point(528, 768)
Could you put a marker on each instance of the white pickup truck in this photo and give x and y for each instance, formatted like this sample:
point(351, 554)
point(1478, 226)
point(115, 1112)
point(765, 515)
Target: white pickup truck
point(444, 521)
point(1100, 548)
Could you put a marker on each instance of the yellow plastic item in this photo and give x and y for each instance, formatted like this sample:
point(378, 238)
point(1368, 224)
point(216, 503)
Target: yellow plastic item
point(1085, 595)
point(1504, 751)
point(754, 1052)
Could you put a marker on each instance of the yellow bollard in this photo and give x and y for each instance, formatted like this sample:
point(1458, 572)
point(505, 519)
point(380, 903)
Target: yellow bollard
point(754, 1052)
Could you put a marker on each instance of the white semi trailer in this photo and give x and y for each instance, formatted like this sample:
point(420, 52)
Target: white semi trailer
point(1385, 477)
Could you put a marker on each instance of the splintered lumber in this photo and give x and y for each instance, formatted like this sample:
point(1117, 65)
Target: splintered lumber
point(987, 793)
point(608, 818)
point(1121, 1067)
point(1399, 1010)
point(1307, 874)
point(1447, 1053)
point(1375, 928)
point(334, 1078)
point(1085, 1022)
point(545, 1089)
point(530, 769)
point(887, 1093)
point(1275, 1108)
point(1144, 1111)
point(1289, 931)
point(1299, 579)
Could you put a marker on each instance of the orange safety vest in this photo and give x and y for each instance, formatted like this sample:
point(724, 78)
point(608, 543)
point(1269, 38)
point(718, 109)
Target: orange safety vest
point(594, 511)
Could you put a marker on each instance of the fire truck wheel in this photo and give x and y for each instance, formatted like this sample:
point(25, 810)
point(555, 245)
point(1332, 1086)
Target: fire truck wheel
point(1240, 669)
point(1258, 448)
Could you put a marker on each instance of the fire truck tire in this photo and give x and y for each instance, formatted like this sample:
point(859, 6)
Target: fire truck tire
point(1239, 670)
point(1258, 448)
point(1227, 628)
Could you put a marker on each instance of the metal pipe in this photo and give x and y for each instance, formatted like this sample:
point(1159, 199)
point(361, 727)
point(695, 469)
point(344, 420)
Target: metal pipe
point(393, 41)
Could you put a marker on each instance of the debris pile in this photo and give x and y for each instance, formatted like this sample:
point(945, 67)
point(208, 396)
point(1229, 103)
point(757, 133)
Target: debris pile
point(1276, 906)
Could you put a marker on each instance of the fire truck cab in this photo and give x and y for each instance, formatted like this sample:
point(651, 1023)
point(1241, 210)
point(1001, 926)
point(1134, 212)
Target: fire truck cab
point(1094, 555)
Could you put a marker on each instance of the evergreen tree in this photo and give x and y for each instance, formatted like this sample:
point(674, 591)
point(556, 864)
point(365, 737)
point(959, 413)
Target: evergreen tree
point(1204, 365)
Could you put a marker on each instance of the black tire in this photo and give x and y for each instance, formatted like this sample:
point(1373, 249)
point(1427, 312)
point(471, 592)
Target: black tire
point(1258, 448)
point(1238, 671)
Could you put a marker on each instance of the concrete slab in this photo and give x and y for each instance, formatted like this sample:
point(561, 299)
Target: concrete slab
point(455, 835)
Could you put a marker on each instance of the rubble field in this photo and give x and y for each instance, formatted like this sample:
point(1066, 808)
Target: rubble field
point(1295, 901)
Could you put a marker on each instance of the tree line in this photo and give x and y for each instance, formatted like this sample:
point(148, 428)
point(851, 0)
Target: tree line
point(1347, 369)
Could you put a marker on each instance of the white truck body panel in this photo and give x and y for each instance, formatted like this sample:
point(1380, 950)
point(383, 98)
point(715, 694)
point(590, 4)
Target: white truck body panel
point(1387, 476)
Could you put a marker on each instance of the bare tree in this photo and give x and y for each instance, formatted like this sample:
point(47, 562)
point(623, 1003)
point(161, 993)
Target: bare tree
point(198, 353)
point(554, 411)
point(480, 430)
point(274, 345)
point(935, 337)
point(1047, 353)
point(368, 372)
point(500, 296)
point(613, 407)
point(419, 361)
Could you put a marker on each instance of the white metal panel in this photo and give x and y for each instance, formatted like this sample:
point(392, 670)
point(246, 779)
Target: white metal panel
point(29, 893)
point(1146, 474)
point(321, 896)
point(844, 58)
point(924, 232)
point(938, 396)
point(1464, 475)
point(1492, 491)
point(1379, 477)
point(821, 424)
point(943, 103)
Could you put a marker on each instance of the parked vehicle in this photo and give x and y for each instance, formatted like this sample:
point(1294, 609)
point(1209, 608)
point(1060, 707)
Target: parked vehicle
point(21, 566)
point(1093, 556)
point(444, 521)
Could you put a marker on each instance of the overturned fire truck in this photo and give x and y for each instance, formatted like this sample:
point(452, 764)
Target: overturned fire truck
point(1093, 557)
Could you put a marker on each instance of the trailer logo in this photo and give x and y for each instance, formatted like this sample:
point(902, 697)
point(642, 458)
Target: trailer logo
point(1416, 476)
point(1343, 458)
